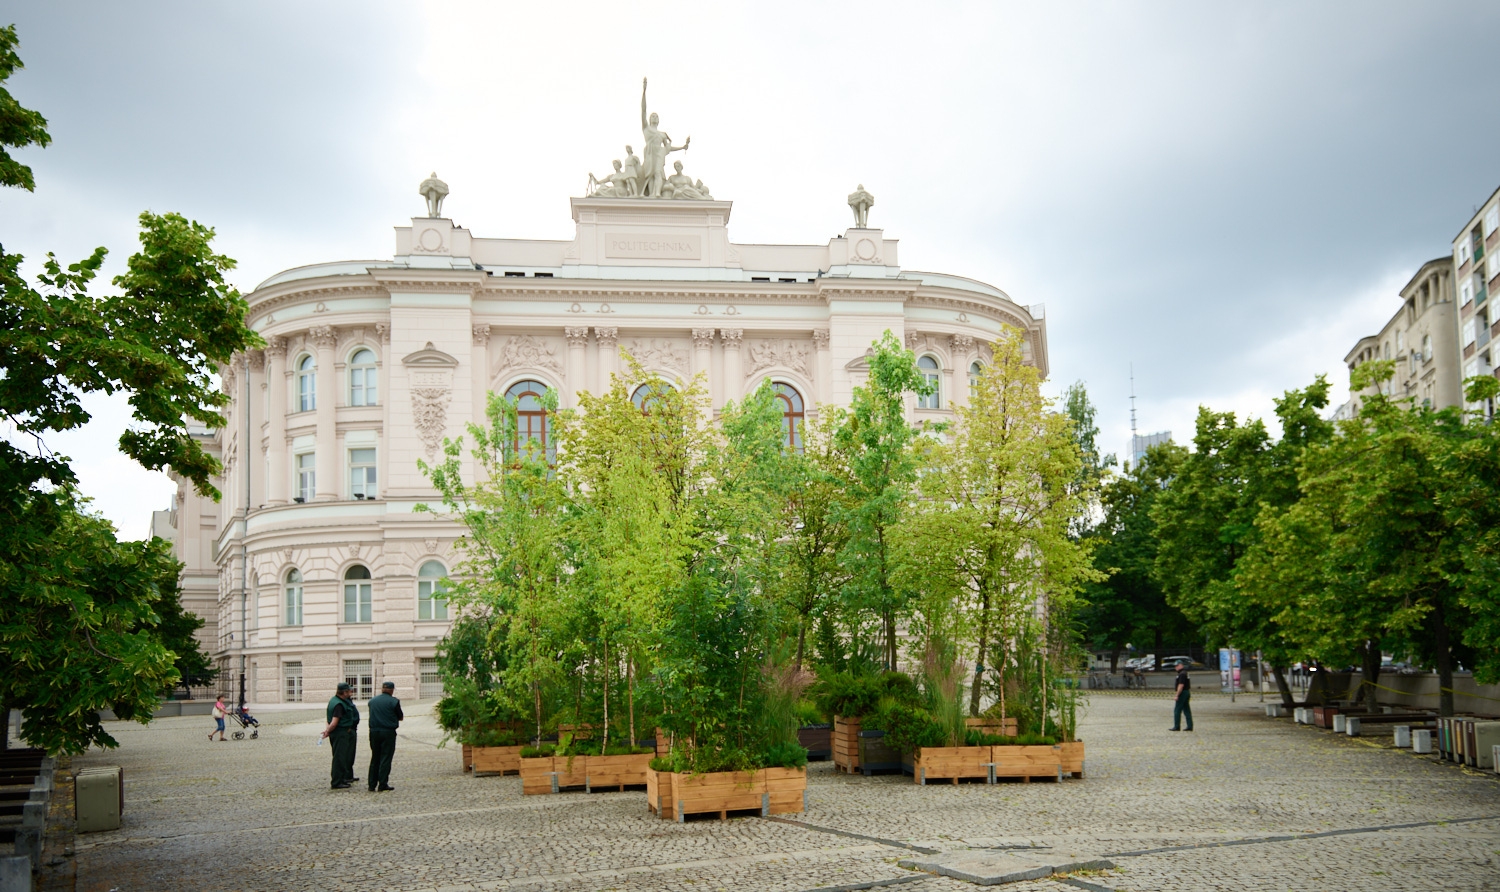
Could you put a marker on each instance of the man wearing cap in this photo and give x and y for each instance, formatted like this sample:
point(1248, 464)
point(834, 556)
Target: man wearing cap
point(1180, 707)
point(385, 717)
point(343, 735)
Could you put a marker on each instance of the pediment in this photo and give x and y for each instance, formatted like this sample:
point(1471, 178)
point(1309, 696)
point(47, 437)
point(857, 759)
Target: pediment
point(429, 357)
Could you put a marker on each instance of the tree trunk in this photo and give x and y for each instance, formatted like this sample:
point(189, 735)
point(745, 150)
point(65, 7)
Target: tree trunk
point(1282, 687)
point(4, 727)
point(1371, 671)
point(604, 740)
point(1443, 656)
point(984, 638)
point(801, 640)
point(1114, 659)
point(1156, 651)
point(889, 618)
point(630, 696)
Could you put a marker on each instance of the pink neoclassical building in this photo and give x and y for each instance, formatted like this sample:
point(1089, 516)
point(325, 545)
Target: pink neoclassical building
point(316, 567)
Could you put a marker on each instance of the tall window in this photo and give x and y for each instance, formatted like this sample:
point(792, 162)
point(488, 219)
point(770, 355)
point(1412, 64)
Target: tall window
point(307, 476)
point(533, 427)
point(357, 595)
point(360, 674)
point(293, 599)
point(792, 415)
point(363, 381)
point(362, 474)
point(432, 597)
point(307, 384)
point(929, 370)
point(291, 674)
point(1426, 347)
point(650, 393)
point(976, 369)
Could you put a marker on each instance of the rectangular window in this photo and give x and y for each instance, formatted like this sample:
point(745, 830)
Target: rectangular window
point(1493, 265)
point(432, 599)
point(1492, 220)
point(431, 683)
point(357, 601)
point(360, 675)
point(307, 476)
point(1463, 252)
point(362, 474)
point(1468, 333)
point(1400, 341)
point(1465, 293)
point(291, 674)
point(363, 387)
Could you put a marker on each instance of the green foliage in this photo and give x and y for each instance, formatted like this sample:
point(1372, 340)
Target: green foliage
point(784, 755)
point(907, 727)
point(88, 622)
point(848, 694)
point(808, 713)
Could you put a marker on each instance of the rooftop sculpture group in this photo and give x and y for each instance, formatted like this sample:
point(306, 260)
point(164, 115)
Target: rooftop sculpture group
point(647, 178)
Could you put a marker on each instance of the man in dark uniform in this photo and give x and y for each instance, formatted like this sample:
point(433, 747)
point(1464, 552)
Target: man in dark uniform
point(385, 717)
point(1180, 707)
point(343, 735)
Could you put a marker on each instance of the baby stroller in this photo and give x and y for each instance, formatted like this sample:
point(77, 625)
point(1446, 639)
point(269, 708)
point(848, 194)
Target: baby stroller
point(246, 721)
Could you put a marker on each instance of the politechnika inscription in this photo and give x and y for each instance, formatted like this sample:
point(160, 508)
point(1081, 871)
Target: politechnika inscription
point(677, 247)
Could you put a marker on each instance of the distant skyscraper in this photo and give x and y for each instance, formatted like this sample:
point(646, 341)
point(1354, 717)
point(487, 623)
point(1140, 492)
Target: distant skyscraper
point(1139, 443)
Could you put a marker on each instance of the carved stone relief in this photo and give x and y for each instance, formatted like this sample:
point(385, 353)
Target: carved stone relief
point(322, 336)
point(481, 335)
point(961, 343)
point(659, 354)
point(731, 336)
point(608, 337)
point(768, 353)
point(820, 338)
point(703, 338)
point(525, 351)
point(577, 337)
point(384, 330)
point(429, 410)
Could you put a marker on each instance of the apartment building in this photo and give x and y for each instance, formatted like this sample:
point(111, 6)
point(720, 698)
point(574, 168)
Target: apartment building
point(1476, 269)
point(1420, 337)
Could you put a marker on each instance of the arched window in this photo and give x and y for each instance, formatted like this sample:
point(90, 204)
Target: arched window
point(364, 387)
point(533, 427)
point(650, 393)
point(293, 597)
point(792, 415)
point(976, 369)
point(1426, 347)
point(358, 599)
point(929, 369)
point(307, 384)
point(432, 597)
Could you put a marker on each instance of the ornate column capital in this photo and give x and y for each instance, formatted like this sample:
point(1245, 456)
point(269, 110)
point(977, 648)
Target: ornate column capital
point(323, 336)
point(961, 342)
point(820, 338)
point(276, 347)
point(912, 340)
point(481, 334)
point(383, 329)
point(255, 360)
point(731, 336)
point(608, 338)
point(703, 337)
point(578, 336)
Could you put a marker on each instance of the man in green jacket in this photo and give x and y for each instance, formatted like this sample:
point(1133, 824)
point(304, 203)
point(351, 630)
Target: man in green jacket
point(343, 735)
point(385, 717)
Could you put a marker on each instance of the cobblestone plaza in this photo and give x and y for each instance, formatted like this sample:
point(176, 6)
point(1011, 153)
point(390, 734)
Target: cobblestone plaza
point(1244, 803)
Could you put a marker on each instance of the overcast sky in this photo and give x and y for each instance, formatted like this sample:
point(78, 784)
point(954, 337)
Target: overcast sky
point(1225, 195)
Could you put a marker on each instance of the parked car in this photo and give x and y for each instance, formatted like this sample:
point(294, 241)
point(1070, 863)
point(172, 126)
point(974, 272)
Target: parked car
point(1192, 664)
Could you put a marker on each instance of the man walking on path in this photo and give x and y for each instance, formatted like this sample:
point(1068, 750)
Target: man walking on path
point(1180, 707)
point(385, 717)
point(343, 735)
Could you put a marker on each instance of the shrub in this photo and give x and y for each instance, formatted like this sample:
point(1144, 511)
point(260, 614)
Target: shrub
point(784, 755)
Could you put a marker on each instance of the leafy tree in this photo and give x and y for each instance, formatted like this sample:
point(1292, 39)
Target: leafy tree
point(160, 340)
point(877, 440)
point(1129, 604)
point(990, 536)
point(1093, 466)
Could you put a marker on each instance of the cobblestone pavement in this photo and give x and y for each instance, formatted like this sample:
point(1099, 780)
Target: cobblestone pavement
point(1243, 803)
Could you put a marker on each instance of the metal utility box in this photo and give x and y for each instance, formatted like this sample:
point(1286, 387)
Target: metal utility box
point(99, 798)
point(1479, 748)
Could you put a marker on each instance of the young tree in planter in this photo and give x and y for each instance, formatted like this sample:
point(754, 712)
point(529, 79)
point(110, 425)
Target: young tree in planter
point(991, 531)
point(515, 575)
point(877, 438)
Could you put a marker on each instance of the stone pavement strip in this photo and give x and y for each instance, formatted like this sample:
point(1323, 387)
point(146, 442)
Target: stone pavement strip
point(1243, 803)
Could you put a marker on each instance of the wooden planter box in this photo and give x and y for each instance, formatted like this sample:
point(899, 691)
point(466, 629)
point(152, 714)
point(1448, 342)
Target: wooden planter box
point(1072, 757)
point(1027, 762)
point(493, 759)
point(817, 740)
point(468, 757)
point(616, 771)
point(769, 791)
point(875, 754)
point(993, 726)
point(846, 743)
point(537, 774)
point(949, 763)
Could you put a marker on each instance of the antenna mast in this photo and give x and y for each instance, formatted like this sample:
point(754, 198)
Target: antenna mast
point(1132, 406)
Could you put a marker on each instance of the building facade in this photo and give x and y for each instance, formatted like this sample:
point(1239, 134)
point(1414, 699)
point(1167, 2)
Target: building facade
point(317, 566)
point(1420, 337)
point(1476, 269)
